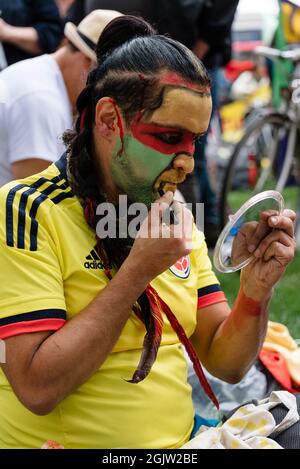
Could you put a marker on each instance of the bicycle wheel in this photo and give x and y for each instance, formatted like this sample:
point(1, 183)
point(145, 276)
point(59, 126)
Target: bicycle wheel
point(257, 163)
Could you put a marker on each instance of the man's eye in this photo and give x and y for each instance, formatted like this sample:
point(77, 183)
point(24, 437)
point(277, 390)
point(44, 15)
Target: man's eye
point(170, 139)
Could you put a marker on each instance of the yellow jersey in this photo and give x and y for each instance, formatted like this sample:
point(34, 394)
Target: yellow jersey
point(50, 271)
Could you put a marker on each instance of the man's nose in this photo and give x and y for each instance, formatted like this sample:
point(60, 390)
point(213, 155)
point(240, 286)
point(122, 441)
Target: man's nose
point(184, 162)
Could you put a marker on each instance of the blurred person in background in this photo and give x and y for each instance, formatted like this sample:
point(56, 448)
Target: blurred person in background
point(29, 28)
point(38, 96)
point(80, 8)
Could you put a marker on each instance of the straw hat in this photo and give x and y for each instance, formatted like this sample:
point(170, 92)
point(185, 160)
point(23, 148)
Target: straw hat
point(85, 36)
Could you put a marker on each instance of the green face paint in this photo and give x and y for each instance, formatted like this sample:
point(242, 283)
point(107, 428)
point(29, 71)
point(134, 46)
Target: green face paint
point(136, 169)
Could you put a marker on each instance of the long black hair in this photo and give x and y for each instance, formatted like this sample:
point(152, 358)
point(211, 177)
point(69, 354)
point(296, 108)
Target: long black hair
point(131, 57)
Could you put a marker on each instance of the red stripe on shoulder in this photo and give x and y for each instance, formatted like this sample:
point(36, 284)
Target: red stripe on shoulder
point(25, 327)
point(211, 299)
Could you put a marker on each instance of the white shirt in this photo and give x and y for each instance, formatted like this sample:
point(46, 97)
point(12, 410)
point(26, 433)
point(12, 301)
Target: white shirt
point(35, 110)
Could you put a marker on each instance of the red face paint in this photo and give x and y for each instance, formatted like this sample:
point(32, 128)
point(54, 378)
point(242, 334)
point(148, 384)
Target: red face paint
point(120, 125)
point(165, 140)
point(173, 79)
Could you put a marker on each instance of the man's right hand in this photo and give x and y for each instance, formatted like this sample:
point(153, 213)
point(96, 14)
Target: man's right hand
point(159, 245)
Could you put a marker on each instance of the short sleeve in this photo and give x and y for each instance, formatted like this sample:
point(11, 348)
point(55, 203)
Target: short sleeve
point(37, 128)
point(209, 290)
point(32, 294)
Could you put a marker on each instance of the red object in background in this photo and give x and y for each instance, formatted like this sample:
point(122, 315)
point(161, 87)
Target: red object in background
point(235, 67)
point(252, 170)
point(277, 366)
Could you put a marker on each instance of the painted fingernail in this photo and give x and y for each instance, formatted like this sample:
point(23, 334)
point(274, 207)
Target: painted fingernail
point(257, 253)
point(251, 248)
point(274, 220)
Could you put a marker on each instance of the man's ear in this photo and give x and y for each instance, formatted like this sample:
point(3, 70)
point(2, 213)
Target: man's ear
point(107, 118)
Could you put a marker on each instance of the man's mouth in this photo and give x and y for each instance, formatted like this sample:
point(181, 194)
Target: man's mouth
point(165, 186)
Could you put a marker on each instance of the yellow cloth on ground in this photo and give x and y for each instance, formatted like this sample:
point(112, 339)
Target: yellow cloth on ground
point(278, 339)
point(250, 426)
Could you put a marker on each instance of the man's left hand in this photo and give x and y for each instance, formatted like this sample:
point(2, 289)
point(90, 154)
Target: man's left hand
point(273, 251)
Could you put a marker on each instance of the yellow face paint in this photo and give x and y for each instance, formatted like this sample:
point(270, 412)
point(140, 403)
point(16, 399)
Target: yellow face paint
point(184, 109)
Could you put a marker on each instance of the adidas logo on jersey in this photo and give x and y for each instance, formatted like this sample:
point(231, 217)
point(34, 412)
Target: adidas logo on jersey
point(93, 261)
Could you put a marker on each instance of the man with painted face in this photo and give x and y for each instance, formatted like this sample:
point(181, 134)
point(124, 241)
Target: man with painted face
point(157, 152)
point(93, 328)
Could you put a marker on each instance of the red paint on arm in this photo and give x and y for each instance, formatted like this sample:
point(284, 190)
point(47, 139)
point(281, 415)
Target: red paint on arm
point(243, 310)
point(247, 306)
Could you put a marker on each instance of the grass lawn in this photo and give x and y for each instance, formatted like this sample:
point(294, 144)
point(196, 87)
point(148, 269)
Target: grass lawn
point(285, 305)
point(237, 198)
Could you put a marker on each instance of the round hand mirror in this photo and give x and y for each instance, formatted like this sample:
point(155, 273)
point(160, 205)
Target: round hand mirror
point(232, 251)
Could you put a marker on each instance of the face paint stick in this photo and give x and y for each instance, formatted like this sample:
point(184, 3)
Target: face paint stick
point(170, 212)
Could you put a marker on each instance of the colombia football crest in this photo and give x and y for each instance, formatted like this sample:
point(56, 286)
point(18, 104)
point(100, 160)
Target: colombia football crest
point(182, 267)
